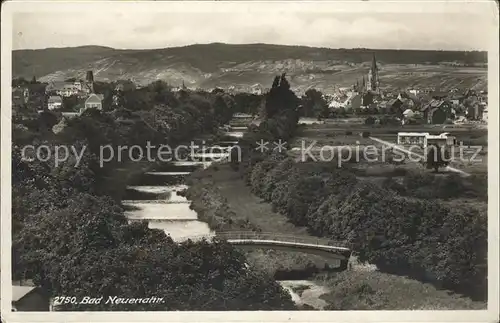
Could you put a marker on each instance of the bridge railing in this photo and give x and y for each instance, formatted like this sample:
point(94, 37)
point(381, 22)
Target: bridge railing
point(272, 236)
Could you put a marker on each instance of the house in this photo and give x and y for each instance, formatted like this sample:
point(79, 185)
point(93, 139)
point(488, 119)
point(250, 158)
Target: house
point(335, 104)
point(485, 114)
point(436, 111)
point(29, 299)
point(54, 102)
point(457, 99)
point(475, 112)
point(94, 101)
point(368, 98)
point(436, 116)
point(18, 97)
point(424, 139)
point(256, 89)
point(410, 98)
point(66, 89)
point(408, 113)
point(395, 106)
point(355, 101)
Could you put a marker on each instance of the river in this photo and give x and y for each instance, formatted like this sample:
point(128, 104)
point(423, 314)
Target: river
point(155, 198)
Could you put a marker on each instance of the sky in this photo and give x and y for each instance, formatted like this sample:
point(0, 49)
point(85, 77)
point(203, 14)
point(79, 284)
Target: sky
point(147, 29)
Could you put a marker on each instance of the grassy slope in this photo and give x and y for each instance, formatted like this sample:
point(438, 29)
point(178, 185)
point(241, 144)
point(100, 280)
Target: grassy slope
point(352, 290)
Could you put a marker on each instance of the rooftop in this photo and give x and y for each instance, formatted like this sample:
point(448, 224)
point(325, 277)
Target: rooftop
point(55, 99)
point(19, 292)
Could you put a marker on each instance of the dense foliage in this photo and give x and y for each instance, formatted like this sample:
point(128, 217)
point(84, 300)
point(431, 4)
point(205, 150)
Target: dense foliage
point(428, 186)
point(73, 239)
point(314, 104)
point(437, 157)
point(279, 115)
point(421, 238)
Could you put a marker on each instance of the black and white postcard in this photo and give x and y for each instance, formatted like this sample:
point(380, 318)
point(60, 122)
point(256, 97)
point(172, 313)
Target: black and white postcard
point(249, 161)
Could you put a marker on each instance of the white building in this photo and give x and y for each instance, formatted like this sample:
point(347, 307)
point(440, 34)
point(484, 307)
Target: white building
point(256, 89)
point(54, 102)
point(93, 101)
point(423, 139)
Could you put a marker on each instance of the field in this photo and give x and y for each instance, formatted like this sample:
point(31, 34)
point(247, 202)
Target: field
point(348, 137)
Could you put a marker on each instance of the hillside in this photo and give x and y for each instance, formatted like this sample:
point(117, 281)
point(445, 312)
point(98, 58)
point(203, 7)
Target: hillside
point(241, 66)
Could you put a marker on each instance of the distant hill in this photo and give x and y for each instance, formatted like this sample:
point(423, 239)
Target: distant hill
point(225, 65)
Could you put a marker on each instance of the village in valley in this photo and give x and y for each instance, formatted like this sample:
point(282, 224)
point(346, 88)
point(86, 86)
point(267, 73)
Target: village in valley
point(177, 171)
point(367, 97)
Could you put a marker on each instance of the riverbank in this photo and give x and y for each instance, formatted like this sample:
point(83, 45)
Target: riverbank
point(221, 198)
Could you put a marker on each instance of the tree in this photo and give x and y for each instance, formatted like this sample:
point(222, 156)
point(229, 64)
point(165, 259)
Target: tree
point(280, 98)
point(437, 157)
point(314, 104)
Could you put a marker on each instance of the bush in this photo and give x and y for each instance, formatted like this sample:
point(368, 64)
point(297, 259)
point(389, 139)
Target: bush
point(348, 133)
point(399, 235)
point(365, 134)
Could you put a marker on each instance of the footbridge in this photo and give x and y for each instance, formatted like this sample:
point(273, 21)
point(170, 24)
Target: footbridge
point(269, 240)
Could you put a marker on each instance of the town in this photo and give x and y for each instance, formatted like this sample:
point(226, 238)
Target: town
point(298, 178)
point(411, 106)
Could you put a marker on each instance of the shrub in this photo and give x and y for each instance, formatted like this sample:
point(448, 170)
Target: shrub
point(400, 235)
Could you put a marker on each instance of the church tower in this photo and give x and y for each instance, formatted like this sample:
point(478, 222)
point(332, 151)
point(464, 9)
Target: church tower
point(89, 81)
point(373, 80)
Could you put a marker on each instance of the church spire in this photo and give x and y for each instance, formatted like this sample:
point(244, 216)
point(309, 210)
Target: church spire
point(374, 82)
point(374, 64)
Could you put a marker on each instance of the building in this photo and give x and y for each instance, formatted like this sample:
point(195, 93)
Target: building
point(423, 139)
point(443, 139)
point(256, 89)
point(54, 102)
point(395, 106)
point(436, 111)
point(485, 114)
point(81, 88)
point(20, 96)
point(475, 111)
point(412, 138)
point(373, 83)
point(94, 101)
point(354, 101)
point(29, 299)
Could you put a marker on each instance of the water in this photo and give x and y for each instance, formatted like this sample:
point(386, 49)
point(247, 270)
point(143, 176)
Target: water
point(304, 120)
point(155, 196)
point(310, 294)
point(235, 134)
